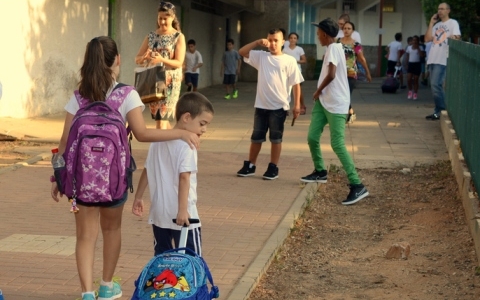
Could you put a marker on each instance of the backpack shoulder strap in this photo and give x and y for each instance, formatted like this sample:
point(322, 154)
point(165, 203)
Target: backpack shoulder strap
point(82, 102)
point(118, 95)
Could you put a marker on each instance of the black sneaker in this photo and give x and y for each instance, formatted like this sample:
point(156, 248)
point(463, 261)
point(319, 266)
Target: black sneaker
point(357, 193)
point(271, 173)
point(189, 88)
point(433, 117)
point(316, 176)
point(246, 170)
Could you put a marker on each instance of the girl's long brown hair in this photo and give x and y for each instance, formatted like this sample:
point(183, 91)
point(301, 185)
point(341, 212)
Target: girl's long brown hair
point(96, 73)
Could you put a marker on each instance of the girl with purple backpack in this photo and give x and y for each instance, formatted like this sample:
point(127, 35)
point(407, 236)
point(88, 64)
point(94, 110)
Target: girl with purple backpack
point(99, 71)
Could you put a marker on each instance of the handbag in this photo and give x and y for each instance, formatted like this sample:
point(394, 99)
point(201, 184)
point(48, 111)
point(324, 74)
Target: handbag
point(150, 83)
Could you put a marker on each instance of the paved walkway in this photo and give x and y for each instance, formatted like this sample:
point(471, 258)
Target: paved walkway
point(244, 219)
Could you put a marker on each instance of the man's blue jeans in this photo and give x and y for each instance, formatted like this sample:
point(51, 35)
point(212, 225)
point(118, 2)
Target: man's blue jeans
point(437, 78)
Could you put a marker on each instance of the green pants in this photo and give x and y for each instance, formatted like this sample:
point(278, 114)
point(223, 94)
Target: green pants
point(320, 118)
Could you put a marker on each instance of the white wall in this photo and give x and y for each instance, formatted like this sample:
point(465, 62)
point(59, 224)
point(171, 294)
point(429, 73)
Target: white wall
point(135, 20)
point(46, 42)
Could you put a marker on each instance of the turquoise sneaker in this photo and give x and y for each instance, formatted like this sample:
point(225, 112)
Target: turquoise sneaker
point(106, 293)
point(88, 297)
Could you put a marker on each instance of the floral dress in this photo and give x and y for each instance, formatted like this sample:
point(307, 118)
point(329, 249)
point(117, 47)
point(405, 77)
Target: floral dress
point(351, 51)
point(165, 46)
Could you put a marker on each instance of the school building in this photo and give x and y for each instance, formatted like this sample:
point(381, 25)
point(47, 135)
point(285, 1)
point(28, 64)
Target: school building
point(44, 40)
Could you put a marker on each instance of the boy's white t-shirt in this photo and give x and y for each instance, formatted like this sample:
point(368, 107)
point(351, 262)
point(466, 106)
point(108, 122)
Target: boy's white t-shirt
point(276, 75)
point(296, 52)
point(131, 101)
point(191, 60)
point(165, 161)
point(393, 49)
point(414, 54)
point(335, 97)
point(438, 53)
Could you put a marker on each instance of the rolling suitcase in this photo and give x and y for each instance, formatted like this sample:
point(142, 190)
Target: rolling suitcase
point(391, 84)
point(176, 274)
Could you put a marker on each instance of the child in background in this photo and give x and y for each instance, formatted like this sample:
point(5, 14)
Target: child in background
point(414, 54)
point(299, 54)
point(230, 69)
point(193, 62)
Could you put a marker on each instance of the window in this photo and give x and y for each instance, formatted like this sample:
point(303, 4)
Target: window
point(348, 6)
point(389, 6)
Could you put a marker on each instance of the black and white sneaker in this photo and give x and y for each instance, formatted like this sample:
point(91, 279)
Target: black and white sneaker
point(357, 193)
point(316, 176)
point(246, 170)
point(271, 173)
point(433, 117)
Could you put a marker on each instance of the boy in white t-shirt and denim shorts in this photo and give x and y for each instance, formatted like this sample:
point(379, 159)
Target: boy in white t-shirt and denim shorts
point(277, 74)
point(332, 99)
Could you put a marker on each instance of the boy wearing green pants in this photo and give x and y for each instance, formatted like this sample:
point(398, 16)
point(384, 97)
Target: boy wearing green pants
point(332, 99)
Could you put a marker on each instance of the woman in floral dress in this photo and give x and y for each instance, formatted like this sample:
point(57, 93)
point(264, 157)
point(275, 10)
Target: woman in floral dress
point(165, 45)
point(353, 53)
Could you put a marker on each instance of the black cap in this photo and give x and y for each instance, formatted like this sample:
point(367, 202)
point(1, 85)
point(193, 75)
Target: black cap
point(329, 26)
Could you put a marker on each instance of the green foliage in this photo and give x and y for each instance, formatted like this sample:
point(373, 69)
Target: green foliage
point(466, 12)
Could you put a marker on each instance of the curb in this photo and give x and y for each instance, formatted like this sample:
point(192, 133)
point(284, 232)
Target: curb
point(259, 266)
point(464, 180)
point(28, 162)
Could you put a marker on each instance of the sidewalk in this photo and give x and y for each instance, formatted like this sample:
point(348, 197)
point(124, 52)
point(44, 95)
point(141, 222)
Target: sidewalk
point(244, 219)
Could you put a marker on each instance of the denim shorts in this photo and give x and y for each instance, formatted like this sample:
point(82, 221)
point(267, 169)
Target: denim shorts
point(114, 204)
point(229, 78)
point(271, 120)
point(192, 78)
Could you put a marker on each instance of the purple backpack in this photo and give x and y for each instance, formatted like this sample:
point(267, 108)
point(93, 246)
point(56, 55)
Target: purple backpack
point(98, 162)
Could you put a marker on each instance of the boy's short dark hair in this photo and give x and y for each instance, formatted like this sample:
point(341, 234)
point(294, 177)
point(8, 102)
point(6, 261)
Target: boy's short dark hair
point(193, 103)
point(191, 42)
point(230, 41)
point(276, 30)
point(398, 36)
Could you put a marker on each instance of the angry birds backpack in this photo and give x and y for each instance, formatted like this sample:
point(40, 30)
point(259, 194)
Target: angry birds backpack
point(176, 275)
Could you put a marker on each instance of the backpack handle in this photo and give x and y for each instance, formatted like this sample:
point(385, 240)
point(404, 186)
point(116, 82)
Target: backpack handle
point(101, 104)
point(191, 221)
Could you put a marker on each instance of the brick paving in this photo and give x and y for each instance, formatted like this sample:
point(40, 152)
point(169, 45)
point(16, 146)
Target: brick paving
point(244, 219)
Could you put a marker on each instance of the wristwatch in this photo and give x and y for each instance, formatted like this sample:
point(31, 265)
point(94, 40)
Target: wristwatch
point(52, 178)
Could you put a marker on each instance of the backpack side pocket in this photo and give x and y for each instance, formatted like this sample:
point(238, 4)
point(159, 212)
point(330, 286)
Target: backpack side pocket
point(60, 177)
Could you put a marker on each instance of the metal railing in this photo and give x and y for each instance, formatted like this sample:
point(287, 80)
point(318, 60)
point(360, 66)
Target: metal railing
point(463, 101)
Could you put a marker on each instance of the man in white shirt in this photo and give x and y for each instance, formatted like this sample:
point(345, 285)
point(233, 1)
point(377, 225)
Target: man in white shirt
point(341, 22)
point(440, 29)
point(332, 99)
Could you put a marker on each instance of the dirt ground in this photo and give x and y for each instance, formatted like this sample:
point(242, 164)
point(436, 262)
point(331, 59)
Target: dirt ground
point(339, 252)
